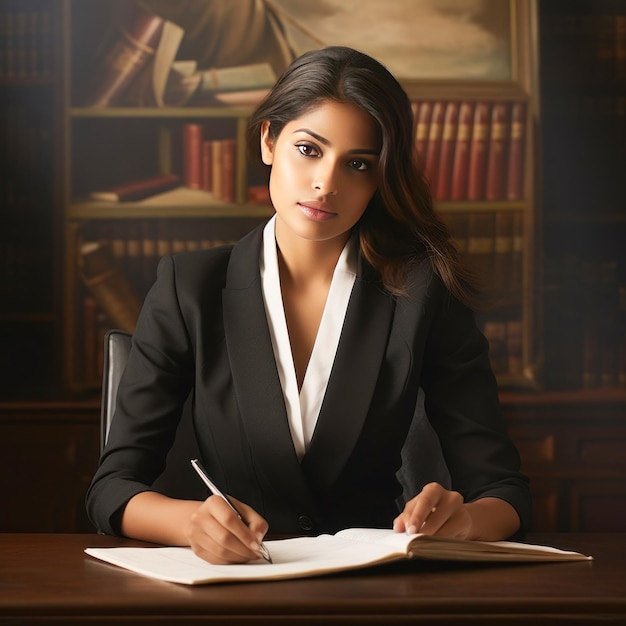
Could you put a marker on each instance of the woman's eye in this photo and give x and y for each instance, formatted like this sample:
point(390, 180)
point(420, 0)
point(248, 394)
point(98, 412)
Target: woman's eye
point(308, 150)
point(360, 166)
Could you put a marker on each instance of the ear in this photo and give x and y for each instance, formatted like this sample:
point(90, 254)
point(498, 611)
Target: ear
point(267, 146)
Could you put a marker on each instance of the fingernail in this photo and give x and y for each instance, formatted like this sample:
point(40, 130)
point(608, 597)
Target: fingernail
point(254, 546)
point(259, 537)
point(411, 530)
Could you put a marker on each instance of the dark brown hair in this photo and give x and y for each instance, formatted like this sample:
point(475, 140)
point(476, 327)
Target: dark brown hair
point(399, 226)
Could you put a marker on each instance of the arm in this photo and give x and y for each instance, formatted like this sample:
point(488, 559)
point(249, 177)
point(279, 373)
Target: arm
point(437, 511)
point(489, 497)
point(211, 528)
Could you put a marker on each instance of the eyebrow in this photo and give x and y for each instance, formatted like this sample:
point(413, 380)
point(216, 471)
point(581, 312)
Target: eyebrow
point(327, 143)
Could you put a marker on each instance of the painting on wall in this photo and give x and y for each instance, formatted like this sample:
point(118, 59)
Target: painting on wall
point(416, 39)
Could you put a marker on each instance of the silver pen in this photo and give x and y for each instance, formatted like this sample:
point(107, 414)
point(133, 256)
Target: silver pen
point(216, 492)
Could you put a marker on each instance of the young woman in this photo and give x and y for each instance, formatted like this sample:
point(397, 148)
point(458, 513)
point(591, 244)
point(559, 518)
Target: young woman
point(304, 345)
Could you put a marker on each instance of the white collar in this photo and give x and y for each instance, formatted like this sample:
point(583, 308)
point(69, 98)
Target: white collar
point(303, 408)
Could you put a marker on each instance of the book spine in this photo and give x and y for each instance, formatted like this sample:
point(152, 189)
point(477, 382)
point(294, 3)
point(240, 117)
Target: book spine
point(132, 50)
point(192, 155)
point(433, 149)
point(207, 166)
point(422, 125)
point(446, 157)
point(229, 152)
point(515, 165)
point(460, 165)
point(497, 152)
point(478, 152)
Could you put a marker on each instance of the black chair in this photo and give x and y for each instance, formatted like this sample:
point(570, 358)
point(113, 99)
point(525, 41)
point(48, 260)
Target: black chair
point(422, 460)
point(178, 480)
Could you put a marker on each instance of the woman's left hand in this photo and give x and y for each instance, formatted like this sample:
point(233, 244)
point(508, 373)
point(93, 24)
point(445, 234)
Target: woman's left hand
point(435, 511)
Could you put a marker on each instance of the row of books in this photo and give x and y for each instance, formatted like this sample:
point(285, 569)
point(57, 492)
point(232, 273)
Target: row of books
point(117, 275)
point(586, 324)
point(25, 43)
point(25, 145)
point(140, 67)
point(505, 346)
point(591, 47)
point(472, 150)
point(208, 163)
point(492, 245)
point(119, 265)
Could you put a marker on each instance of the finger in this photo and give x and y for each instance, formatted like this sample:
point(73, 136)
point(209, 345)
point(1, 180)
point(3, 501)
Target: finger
point(422, 507)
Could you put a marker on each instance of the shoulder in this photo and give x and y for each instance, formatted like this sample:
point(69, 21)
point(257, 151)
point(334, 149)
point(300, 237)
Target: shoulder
point(213, 267)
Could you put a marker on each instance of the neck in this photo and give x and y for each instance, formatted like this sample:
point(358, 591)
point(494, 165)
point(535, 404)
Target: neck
point(303, 262)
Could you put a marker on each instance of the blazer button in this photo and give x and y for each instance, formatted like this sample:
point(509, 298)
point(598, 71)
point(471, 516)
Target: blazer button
point(305, 523)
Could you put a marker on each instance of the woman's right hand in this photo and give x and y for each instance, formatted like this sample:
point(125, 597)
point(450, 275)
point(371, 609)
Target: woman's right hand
point(217, 535)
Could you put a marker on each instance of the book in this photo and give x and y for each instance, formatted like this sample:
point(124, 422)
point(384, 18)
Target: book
point(422, 124)
point(496, 155)
point(192, 155)
point(433, 147)
point(460, 164)
point(446, 155)
point(303, 557)
point(138, 189)
point(131, 52)
point(108, 286)
point(515, 161)
point(478, 152)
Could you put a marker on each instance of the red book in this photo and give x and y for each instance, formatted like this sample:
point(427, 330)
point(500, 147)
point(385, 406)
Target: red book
point(207, 166)
point(229, 157)
point(496, 156)
point(478, 152)
point(460, 164)
point(433, 149)
point(446, 156)
point(515, 166)
point(132, 50)
point(421, 129)
point(138, 189)
point(192, 155)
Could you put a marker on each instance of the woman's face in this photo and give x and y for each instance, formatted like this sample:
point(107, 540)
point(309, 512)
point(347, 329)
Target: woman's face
point(324, 171)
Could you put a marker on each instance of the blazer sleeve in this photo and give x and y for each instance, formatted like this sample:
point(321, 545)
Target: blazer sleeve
point(462, 404)
point(152, 391)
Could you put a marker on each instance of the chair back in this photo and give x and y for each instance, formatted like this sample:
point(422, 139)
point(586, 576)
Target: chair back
point(116, 349)
point(178, 480)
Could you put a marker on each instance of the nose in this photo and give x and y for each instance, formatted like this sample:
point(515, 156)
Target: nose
point(325, 179)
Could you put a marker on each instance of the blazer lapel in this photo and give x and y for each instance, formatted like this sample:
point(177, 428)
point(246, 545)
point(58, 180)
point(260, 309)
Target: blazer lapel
point(352, 382)
point(255, 376)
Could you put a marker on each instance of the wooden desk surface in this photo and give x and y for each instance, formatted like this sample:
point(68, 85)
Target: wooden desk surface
point(47, 578)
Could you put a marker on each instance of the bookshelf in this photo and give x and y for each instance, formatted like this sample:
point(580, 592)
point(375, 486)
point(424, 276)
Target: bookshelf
point(584, 148)
point(30, 97)
point(111, 145)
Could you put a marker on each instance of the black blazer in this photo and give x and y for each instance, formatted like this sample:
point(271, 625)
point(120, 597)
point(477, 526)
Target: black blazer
point(203, 331)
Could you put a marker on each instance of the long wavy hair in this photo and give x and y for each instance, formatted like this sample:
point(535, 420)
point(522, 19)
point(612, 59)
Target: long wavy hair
point(399, 226)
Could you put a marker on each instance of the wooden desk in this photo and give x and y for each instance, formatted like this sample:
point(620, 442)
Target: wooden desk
point(47, 578)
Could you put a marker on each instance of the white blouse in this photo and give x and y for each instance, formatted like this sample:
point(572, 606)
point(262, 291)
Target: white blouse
point(303, 408)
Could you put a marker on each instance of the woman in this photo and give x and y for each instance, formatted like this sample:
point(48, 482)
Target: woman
point(304, 345)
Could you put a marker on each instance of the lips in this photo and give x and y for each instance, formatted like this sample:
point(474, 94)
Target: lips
point(316, 210)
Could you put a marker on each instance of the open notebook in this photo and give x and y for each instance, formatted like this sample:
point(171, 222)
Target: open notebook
point(312, 556)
